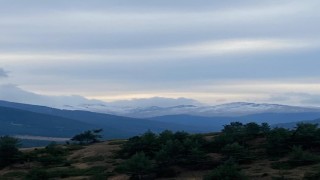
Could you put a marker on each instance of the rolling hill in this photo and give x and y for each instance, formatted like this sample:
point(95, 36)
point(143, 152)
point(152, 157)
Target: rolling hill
point(46, 121)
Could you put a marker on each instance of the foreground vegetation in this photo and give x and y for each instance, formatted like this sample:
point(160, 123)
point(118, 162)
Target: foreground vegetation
point(240, 151)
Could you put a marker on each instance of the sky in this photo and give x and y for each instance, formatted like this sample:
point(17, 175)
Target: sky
point(209, 50)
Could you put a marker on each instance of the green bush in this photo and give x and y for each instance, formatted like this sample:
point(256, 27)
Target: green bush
point(312, 175)
point(37, 174)
point(147, 143)
point(88, 137)
point(237, 152)
point(137, 166)
point(14, 174)
point(9, 152)
point(306, 135)
point(278, 142)
point(228, 171)
point(297, 157)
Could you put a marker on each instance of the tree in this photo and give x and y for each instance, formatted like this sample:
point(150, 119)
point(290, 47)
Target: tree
point(236, 152)
point(265, 128)
point(278, 142)
point(252, 129)
point(227, 171)
point(306, 135)
point(147, 143)
point(138, 165)
point(9, 152)
point(88, 137)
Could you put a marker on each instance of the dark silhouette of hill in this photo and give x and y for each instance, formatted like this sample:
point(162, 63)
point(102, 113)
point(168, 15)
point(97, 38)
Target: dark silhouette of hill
point(15, 121)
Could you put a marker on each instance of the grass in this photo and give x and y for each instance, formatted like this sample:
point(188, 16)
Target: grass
point(93, 158)
point(14, 174)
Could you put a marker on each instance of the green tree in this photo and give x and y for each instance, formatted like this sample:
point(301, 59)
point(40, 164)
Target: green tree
point(278, 142)
point(227, 171)
point(147, 143)
point(306, 135)
point(137, 166)
point(265, 128)
point(252, 129)
point(9, 152)
point(170, 153)
point(88, 137)
point(236, 152)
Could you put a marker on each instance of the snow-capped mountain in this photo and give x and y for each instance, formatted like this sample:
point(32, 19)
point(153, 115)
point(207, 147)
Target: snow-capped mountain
point(230, 109)
point(147, 107)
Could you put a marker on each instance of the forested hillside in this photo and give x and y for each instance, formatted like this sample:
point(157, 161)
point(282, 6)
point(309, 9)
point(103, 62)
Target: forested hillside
point(240, 151)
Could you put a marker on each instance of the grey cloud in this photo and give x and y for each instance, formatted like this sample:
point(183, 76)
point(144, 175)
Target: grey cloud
point(299, 98)
point(82, 28)
point(3, 73)
point(133, 29)
point(13, 93)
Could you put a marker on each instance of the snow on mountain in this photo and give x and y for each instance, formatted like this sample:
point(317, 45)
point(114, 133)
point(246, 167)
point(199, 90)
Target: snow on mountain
point(230, 109)
point(147, 107)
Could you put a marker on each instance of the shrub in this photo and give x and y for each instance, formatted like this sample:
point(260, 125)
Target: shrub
point(278, 142)
point(228, 171)
point(252, 129)
point(137, 166)
point(88, 137)
point(38, 174)
point(306, 135)
point(312, 175)
point(9, 152)
point(237, 152)
point(147, 143)
point(299, 157)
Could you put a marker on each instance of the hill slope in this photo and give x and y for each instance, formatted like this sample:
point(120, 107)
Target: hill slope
point(114, 126)
point(20, 122)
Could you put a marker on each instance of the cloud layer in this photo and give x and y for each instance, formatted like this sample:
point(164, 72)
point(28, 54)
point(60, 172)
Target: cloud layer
point(3, 73)
point(212, 51)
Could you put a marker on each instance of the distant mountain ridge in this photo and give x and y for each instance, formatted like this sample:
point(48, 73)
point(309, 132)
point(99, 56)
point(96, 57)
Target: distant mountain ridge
point(225, 110)
point(147, 107)
point(115, 126)
point(43, 119)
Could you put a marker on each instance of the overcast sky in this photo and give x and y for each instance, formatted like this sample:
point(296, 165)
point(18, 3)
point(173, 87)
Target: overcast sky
point(210, 50)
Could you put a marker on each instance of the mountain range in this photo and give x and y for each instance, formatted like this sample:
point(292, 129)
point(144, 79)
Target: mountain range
point(32, 114)
point(146, 107)
point(33, 120)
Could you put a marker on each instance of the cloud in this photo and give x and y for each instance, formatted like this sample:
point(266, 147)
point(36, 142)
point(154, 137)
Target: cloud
point(13, 93)
point(140, 49)
point(156, 101)
point(3, 73)
point(301, 98)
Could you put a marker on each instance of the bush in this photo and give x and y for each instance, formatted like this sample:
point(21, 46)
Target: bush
point(137, 166)
point(9, 152)
point(297, 157)
point(237, 152)
point(298, 154)
point(38, 174)
point(306, 135)
point(252, 129)
point(312, 175)
point(228, 171)
point(278, 142)
point(88, 137)
point(147, 143)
